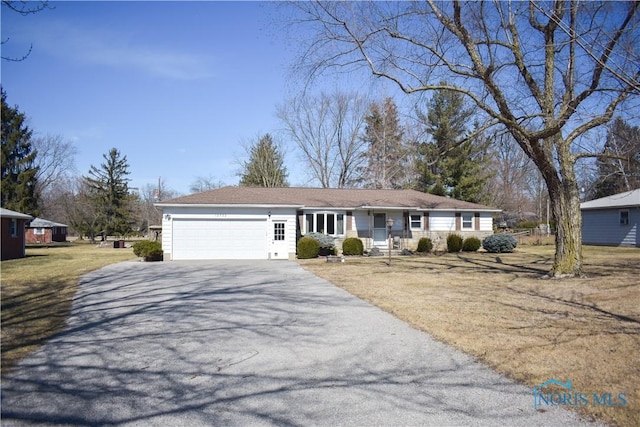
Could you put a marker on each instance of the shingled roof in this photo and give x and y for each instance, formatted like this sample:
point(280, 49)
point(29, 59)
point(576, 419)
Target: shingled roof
point(45, 223)
point(323, 198)
point(622, 200)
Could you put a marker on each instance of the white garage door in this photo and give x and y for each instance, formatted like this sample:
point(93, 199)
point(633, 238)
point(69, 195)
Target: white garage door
point(219, 239)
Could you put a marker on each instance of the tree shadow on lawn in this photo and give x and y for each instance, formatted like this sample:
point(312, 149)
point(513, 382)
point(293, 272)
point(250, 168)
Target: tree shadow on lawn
point(501, 263)
point(557, 306)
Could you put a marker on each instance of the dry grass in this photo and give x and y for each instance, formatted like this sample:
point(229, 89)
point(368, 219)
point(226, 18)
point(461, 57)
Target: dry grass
point(37, 293)
point(498, 309)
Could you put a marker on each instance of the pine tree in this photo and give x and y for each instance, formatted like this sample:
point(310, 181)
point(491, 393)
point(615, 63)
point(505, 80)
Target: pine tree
point(109, 190)
point(450, 164)
point(19, 182)
point(386, 154)
point(265, 167)
point(619, 168)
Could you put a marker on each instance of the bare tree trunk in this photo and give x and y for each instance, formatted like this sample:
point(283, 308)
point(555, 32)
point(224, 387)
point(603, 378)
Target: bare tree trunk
point(565, 208)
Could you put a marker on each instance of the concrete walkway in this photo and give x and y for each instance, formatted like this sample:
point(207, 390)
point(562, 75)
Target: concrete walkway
point(249, 343)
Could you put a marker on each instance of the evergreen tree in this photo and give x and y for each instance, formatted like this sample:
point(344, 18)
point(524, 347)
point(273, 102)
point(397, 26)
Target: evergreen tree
point(265, 167)
point(619, 168)
point(108, 189)
point(385, 155)
point(19, 173)
point(451, 163)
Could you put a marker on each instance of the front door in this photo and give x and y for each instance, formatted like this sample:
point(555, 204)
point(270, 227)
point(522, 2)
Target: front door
point(380, 229)
point(279, 240)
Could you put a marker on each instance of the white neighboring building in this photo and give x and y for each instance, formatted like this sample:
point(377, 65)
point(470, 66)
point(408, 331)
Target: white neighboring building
point(612, 220)
point(266, 223)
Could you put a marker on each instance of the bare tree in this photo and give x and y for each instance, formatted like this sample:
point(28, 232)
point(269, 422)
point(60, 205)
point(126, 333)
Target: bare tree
point(514, 177)
point(205, 183)
point(55, 159)
point(81, 212)
point(549, 72)
point(326, 130)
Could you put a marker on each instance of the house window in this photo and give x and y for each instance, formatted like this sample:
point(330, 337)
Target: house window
point(467, 221)
point(13, 227)
point(415, 221)
point(320, 224)
point(624, 217)
point(325, 223)
point(38, 231)
point(309, 223)
point(278, 231)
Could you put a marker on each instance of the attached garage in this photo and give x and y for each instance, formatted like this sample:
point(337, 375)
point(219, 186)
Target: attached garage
point(195, 239)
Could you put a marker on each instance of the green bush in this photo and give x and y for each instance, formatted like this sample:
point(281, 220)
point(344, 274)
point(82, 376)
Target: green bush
point(147, 249)
point(454, 243)
point(352, 246)
point(308, 248)
point(425, 245)
point(471, 244)
point(499, 243)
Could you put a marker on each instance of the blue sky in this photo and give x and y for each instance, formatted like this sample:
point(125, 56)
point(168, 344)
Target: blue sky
point(177, 87)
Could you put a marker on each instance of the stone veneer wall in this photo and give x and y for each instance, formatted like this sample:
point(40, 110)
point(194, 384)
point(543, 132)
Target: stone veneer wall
point(439, 238)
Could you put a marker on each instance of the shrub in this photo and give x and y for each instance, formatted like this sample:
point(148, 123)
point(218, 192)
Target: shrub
point(425, 245)
point(147, 249)
point(498, 243)
point(527, 224)
point(326, 243)
point(308, 247)
point(471, 244)
point(454, 243)
point(352, 246)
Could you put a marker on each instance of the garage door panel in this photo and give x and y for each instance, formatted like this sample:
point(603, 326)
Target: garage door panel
point(219, 239)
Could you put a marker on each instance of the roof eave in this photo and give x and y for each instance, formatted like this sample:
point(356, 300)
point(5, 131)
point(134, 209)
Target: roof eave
point(298, 206)
point(226, 205)
point(596, 208)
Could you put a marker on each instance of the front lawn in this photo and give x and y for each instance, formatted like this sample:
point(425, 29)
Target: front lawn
point(496, 308)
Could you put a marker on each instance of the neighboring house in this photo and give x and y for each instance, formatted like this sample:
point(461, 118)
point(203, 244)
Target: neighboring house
point(13, 224)
point(45, 231)
point(612, 220)
point(265, 223)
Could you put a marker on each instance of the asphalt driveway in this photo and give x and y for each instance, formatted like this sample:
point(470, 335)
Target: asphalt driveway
point(249, 343)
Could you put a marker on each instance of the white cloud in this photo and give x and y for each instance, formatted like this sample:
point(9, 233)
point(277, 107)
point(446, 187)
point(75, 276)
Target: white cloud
point(115, 49)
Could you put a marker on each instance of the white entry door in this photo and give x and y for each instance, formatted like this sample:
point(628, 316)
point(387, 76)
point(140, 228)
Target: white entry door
point(279, 249)
point(380, 229)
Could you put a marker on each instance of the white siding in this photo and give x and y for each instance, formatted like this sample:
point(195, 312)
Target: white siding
point(486, 221)
point(442, 221)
